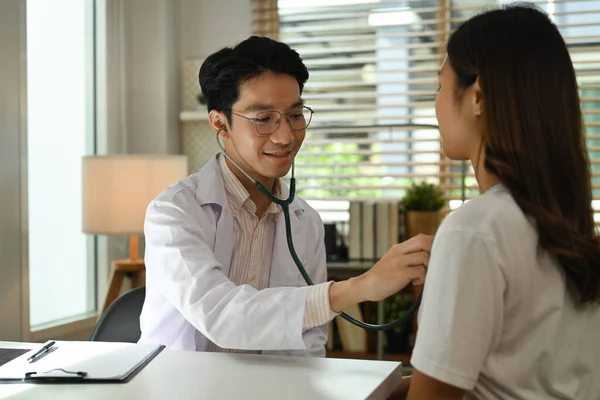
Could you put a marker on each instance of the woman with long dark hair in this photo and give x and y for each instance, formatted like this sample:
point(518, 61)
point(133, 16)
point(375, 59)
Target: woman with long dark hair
point(510, 307)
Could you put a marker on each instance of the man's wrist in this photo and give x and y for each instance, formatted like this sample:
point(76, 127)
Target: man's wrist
point(344, 294)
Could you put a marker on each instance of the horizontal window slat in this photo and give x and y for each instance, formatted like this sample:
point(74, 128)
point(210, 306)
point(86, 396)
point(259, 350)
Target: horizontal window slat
point(397, 135)
point(364, 119)
point(342, 13)
point(308, 54)
point(364, 153)
point(323, 122)
point(334, 85)
point(365, 95)
point(323, 142)
point(372, 128)
point(362, 94)
point(364, 164)
point(368, 60)
point(425, 67)
point(325, 53)
point(356, 25)
point(343, 38)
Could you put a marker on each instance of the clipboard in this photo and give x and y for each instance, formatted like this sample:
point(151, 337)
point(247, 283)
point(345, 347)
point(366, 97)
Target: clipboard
point(82, 362)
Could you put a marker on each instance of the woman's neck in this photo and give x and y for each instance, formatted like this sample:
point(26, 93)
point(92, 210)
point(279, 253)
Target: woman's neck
point(485, 179)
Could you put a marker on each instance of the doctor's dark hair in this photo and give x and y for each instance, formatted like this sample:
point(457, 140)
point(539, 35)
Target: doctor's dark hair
point(222, 73)
point(534, 141)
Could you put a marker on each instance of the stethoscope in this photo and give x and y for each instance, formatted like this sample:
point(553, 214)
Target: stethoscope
point(285, 208)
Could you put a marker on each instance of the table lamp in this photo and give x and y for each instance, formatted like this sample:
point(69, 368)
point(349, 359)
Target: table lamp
point(116, 192)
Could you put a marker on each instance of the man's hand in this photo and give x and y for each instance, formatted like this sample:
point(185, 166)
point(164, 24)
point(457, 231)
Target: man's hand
point(404, 263)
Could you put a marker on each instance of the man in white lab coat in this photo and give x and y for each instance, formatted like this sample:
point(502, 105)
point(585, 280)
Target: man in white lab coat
point(219, 274)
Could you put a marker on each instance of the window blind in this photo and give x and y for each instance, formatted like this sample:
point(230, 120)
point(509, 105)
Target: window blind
point(372, 85)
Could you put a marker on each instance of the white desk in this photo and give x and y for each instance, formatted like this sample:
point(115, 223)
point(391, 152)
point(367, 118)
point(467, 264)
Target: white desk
point(195, 375)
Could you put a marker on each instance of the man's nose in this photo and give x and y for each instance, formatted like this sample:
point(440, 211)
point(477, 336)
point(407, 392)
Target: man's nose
point(284, 134)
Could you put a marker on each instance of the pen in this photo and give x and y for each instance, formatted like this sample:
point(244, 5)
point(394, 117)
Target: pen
point(38, 354)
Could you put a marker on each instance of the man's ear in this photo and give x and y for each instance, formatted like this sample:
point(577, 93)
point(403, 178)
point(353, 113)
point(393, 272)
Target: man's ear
point(218, 122)
point(478, 99)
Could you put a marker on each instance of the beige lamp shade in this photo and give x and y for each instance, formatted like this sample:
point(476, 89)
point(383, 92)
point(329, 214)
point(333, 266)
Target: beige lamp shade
point(118, 188)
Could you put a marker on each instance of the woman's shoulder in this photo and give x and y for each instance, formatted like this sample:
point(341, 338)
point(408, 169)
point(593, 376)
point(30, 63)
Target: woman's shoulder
point(489, 214)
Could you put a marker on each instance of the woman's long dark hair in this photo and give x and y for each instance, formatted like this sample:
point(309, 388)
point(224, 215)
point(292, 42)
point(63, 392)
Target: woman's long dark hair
point(535, 143)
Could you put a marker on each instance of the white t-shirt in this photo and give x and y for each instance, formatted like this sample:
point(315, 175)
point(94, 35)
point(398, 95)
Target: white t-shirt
point(497, 319)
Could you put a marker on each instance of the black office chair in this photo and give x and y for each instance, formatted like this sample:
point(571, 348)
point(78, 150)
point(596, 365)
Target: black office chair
point(121, 321)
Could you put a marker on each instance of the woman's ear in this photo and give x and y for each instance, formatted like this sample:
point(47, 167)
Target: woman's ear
point(218, 122)
point(478, 99)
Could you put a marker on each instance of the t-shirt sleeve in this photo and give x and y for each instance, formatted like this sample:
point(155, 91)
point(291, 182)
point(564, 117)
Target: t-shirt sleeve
point(460, 320)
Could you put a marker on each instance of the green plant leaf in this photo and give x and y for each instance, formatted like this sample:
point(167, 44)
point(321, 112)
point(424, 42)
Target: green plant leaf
point(423, 197)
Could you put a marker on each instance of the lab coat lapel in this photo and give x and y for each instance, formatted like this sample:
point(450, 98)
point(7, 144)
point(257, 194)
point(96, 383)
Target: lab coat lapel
point(211, 189)
point(211, 193)
point(224, 239)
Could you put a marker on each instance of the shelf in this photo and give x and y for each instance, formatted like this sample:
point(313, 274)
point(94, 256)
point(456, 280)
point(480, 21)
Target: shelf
point(195, 115)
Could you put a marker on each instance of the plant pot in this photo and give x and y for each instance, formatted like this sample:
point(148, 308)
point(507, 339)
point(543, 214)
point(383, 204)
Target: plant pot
point(426, 222)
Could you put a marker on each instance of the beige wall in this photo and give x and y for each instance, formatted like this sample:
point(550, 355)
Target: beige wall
point(208, 25)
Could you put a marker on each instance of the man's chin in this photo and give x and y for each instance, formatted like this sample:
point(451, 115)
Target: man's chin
point(275, 172)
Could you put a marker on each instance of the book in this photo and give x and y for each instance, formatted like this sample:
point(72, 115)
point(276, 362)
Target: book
point(394, 223)
point(382, 228)
point(355, 234)
point(368, 231)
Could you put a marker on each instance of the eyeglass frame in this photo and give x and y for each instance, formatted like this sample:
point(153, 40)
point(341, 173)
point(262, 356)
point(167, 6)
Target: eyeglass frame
point(281, 115)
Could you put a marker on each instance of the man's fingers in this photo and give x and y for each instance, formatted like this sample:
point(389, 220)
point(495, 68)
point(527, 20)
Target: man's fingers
point(416, 243)
point(414, 259)
point(417, 274)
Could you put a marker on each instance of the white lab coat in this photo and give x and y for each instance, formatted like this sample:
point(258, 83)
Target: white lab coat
point(189, 299)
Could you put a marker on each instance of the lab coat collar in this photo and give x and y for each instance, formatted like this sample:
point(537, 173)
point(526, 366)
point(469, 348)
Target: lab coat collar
point(211, 188)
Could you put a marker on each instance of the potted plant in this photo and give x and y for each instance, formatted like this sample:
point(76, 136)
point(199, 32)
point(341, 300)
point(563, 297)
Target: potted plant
point(422, 207)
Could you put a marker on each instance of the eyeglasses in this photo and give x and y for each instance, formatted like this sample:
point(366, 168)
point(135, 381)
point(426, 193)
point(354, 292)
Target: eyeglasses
point(267, 122)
